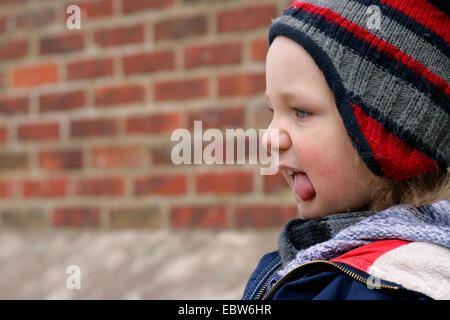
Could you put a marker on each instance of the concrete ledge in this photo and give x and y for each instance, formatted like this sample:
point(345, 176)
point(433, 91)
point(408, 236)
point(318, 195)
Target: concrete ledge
point(130, 264)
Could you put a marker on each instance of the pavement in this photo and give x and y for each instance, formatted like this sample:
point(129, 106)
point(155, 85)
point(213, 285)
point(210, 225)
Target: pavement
point(129, 264)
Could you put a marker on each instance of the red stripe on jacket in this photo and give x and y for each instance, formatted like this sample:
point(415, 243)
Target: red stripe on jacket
point(363, 257)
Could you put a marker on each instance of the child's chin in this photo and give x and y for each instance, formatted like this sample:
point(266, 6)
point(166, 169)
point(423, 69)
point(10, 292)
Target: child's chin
point(311, 209)
point(306, 211)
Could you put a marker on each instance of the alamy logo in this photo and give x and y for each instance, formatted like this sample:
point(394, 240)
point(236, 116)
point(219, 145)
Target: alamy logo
point(74, 20)
point(374, 21)
point(213, 153)
point(373, 283)
point(74, 280)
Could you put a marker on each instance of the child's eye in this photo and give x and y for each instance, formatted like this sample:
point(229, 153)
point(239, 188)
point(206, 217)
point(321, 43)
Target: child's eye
point(270, 109)
point(300, 113)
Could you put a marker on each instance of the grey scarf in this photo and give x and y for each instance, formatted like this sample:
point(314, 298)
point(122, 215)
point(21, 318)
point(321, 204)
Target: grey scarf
point(324, 239)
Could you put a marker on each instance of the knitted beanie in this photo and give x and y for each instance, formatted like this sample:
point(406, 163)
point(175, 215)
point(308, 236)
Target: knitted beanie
point(387, 63)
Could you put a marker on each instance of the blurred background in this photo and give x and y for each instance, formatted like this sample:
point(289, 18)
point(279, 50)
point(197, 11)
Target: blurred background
point(86, 177)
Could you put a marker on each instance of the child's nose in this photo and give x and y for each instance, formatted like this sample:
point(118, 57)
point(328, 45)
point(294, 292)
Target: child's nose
point(284, 141)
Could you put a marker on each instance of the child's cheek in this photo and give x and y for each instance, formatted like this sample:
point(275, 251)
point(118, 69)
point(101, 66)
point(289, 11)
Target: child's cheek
point(324, 163)
point(316, 160)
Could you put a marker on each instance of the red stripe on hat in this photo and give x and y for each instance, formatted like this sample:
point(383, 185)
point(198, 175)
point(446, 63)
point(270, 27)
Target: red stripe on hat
point(383, 46)
point(424, 13)
point(420, 10)
point(363, 257)
point(396, 160)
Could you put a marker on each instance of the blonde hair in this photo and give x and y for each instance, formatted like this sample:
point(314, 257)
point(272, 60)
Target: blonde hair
point(420, 190)
point(417, 191)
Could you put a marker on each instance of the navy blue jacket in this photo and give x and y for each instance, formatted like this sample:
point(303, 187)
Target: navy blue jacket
point(320, 280)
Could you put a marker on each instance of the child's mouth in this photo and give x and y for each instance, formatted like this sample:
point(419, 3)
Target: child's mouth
point(300, 183)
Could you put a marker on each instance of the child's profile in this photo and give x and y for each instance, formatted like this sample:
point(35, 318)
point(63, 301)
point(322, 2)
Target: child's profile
point(364, 131)
point(317, 155)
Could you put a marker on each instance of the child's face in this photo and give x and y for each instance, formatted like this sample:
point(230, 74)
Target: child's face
point(313, 138)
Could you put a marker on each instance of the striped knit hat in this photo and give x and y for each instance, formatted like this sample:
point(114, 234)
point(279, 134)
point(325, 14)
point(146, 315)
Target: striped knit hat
point(390, 81)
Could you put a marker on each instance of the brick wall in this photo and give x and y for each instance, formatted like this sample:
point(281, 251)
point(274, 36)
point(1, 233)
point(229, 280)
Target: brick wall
point(86, 115)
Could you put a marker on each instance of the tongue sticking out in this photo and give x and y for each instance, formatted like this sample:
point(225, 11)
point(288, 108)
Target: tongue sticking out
point(303, 187)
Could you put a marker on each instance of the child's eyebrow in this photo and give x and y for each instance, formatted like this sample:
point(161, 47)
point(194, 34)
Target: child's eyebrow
point(290, 97)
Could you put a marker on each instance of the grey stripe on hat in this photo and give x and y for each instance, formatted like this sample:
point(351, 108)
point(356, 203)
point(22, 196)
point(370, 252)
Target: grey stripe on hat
point(397, 35)
point(394, 98)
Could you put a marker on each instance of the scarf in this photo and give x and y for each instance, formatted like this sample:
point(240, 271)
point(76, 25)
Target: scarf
point(302, 241)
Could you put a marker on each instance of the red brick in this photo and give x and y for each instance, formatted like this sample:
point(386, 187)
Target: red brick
point(93, 128)
point(30, 217)
point(149, 62)
point(2, 24)
point(198, 217)
point(96, 8)
point(61, 159)
point(5, 2)
point(153, 124)
point(76, 217)
point(13, 105)
point(35, 75)
point(230, 117)
point(241, 85)
point(3, 135)
point(274, 183)
point(259, 50)
point(89, 69)
point(7, 189)
point(140, 217)
point(32, 20)
point(13, 49)
point(132, 6)
point(224, 182)
point(13, 160)
point(246, 18)
point(213, 55)
point(120, 36)
point(180, 27)
point(119, 94)
point(182, 89)
point(160, 185)
point(61, 101)
point(61, 43)
point(52, 187)
point(261, 115)
point(119, 156)
point(161, 155)
point(263, 216)
point(100, 186)
point(38, 131)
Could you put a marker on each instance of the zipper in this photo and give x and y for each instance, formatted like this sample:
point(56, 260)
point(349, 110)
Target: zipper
point(348, 272)
point(264, 287)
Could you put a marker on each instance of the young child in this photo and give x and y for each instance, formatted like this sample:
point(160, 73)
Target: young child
point(361, 103)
